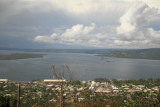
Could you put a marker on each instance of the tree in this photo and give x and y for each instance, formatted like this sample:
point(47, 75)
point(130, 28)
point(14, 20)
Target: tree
point(59, 74)
point(4, 101)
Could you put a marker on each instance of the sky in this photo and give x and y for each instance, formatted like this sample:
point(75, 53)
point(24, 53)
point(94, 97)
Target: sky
point(67, 24)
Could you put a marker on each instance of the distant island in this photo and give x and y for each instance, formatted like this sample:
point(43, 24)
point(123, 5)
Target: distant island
point(19, 56)
point(153, 53)
point(83, 51)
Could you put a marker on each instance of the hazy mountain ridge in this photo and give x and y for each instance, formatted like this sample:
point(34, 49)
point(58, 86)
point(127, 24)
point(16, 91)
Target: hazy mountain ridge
point(84, 51)
point(153, 53)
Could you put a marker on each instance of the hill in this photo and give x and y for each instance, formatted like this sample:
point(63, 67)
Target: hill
point(83, 51)
point(19, 56)
point(153, 53)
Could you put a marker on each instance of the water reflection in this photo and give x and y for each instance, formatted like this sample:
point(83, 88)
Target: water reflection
point(87, 66)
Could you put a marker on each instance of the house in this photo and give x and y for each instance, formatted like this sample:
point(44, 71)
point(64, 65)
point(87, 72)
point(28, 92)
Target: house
point(114, 87)
point(80, 99)
point(3, 80)
point(155, 88)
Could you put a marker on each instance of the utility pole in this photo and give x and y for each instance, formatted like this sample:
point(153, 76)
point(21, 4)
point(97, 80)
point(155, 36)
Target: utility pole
point(61, 95)
point(18, 96)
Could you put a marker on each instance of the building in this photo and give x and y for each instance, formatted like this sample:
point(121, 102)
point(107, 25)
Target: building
point(3, 80)
point(53, 81)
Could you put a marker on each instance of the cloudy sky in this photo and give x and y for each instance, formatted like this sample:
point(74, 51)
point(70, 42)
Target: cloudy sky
point(79, 24)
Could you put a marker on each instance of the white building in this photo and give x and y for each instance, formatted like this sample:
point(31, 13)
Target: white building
point(114, 87)
point(93, 83)
point(53, 81)
point(3, 80)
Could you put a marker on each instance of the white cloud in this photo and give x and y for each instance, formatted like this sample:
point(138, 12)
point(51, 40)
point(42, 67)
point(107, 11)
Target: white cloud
point(134, 23)
point(78, 30)
point(133, 31)
point(77, 7)
point(82, 9)
point(75, 35)
point(101, 9)
point(134, 17)
point(44, 39)
point(152, 3)
point(153, 35)
point(137, 16)
point(87, 6)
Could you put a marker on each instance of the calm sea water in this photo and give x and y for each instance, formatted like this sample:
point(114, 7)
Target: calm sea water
point(86, 66)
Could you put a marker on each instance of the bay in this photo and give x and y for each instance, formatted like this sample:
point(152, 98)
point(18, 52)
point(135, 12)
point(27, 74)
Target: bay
point(86, 66)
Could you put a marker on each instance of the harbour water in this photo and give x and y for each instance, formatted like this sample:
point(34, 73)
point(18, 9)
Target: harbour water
point(86, 66)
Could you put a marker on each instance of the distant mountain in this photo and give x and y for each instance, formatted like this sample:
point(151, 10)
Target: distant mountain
point(153, 53)
point(85, 51)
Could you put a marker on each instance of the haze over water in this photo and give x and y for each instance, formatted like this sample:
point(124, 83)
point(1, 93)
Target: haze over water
point(87, 66)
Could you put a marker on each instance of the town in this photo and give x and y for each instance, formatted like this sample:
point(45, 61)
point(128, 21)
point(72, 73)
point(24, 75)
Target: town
point(100, 92)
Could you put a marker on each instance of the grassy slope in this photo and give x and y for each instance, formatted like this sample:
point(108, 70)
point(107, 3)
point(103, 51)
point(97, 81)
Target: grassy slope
point(137, 54)
point(153, 53)
point(19, 56)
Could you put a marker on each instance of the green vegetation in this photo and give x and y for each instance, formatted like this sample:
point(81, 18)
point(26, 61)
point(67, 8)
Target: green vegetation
point(136, 54)
point(147, 82)
point(101, 80)
point(85, 51)
point(77, 94)
point(19, 56)
point(153, 53)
